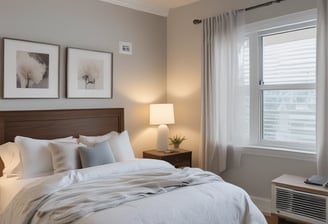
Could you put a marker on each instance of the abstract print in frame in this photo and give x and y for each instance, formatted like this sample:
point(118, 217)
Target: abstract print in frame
point(31, 69)
point(89, 73)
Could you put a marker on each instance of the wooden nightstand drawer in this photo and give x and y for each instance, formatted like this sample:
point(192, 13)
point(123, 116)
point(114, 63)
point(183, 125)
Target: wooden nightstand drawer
point(179, 160)
point(182, 158)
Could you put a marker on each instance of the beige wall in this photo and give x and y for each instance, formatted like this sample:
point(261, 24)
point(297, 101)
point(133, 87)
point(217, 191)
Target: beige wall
point(184, 88)
point(138, 79)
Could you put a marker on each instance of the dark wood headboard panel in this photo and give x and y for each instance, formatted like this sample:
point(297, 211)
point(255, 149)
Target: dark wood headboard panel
point(49, 124)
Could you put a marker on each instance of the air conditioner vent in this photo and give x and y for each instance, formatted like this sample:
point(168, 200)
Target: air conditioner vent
point(301, 204)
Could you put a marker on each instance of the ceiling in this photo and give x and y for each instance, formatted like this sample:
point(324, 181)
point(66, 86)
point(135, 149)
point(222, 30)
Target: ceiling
point(157, 7)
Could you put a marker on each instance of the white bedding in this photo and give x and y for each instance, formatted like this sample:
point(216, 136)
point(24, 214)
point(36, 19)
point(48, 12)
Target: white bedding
point(209, 202)
point(9, 187)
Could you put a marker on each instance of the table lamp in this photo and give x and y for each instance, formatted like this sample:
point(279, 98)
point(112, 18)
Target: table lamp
point(161, 114)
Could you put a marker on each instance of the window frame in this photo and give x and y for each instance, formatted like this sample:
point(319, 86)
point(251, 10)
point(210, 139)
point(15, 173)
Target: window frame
point(256, 31)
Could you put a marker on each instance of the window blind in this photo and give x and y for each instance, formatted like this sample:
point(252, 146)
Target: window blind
point(289, 104)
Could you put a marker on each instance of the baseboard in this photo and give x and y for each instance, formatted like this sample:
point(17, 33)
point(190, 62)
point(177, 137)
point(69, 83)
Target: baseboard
point(264, 204)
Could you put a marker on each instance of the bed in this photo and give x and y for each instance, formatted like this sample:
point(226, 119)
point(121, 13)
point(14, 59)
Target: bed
point(122, 190)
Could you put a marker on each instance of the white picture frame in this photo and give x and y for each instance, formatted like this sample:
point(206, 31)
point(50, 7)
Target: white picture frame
point(89, 73)
point(31, 69)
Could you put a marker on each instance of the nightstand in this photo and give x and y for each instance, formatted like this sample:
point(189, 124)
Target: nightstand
point(181, 158)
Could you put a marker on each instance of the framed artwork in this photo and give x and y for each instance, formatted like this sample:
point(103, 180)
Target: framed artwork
point(89, 73)
point(31, 69)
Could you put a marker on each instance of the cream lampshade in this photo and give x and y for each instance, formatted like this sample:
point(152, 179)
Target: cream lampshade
point(161, 114)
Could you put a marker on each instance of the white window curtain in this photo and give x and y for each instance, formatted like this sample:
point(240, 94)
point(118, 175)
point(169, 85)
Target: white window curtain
point(225, 94)
point(322, 88)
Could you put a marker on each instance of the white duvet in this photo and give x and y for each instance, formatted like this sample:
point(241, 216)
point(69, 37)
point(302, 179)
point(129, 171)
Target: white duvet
point(9, 187)
point(139, 191)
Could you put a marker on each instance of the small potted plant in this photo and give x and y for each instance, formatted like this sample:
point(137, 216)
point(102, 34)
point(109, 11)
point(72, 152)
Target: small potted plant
point(176, 140)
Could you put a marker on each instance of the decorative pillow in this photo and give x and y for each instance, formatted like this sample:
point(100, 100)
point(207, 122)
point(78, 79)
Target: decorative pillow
point(98, 155)
point(121, 147)
point(9, 153)
point(93, 140)
point(65, 156)
point(119, 143)
point(35, 156)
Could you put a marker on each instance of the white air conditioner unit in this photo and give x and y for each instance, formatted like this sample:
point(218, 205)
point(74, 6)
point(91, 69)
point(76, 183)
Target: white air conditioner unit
point(298, 205)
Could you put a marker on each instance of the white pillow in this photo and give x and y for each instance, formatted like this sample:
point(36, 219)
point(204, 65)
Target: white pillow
point(119, 143)
point(121, 147)
point(65, 156)
point(35, 156)
point(9, 153)
point(93, 140)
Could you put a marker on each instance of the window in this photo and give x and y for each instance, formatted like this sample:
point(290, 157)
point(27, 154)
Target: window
point(282, 71)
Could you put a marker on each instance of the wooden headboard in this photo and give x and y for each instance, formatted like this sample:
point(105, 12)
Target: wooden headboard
point(49, 124)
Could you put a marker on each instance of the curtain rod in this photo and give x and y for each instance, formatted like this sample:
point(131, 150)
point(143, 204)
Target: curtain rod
point(198, 21)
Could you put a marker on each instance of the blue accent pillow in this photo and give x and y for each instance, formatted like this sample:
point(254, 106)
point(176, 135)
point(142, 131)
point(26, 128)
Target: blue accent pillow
point(98, 155)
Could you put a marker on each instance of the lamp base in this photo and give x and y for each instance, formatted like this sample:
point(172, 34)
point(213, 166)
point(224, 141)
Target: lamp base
point(162, 137)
